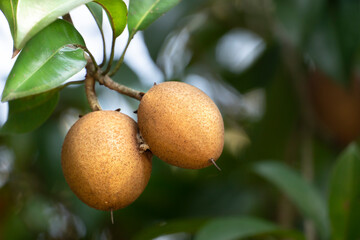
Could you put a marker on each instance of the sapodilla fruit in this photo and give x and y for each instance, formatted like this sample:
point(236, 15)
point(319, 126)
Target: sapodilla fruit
point(181, 125)
point(337, 108)
point(101, 160)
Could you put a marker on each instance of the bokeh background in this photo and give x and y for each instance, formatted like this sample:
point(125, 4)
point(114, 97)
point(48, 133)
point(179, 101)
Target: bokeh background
point(284, 74)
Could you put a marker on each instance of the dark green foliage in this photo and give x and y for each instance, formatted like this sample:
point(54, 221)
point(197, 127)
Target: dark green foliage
point(319, 176)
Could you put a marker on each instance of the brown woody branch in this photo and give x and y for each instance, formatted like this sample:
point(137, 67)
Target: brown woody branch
point(108, 82)
point(90, 93)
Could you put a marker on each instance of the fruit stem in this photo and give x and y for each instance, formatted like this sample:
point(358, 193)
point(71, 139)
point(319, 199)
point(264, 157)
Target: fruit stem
point(143, 146)
point(108, 82)
point(213, 162)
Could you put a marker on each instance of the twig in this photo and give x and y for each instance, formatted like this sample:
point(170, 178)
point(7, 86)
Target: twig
point(90, 93)
point(71, 83)
point(94, 74)
point(104, 48)
point(298, 77)
point(308, 173)
point(286, 214)
point(112, 54)
point(102, 37)
point(121, 60)
point(108, 82)
point(91, 61)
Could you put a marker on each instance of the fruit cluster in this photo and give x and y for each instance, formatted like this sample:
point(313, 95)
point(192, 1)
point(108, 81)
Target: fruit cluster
point(105, 159)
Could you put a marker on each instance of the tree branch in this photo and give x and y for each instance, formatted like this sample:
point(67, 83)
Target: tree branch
point(94, 74)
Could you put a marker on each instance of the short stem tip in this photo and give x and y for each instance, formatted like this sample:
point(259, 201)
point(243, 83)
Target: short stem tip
point(112, 216)
point(213, 162)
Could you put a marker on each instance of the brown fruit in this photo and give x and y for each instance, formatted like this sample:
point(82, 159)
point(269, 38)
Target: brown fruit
point(337, 108)
point(181, 125)
point(101, 161)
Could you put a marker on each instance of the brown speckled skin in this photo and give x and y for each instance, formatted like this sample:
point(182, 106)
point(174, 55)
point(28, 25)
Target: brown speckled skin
point(101, 161)
point(181, 124)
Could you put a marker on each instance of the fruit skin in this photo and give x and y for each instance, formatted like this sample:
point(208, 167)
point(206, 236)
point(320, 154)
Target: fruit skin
point(337, 108)
point(101, 161)
point(181, 125)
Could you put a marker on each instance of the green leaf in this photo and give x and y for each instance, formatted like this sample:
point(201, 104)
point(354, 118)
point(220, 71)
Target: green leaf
point(46, 61)
point(8, 7)
point(280, 118)
point(231, 228)
point(324, 48)
point(302, 194)
point(29, 113)
point(143, 13)
point(96, 10)
point(117, 14)
point(297, 18)
point(177, 226)
point(344, 197)
point(28, 17)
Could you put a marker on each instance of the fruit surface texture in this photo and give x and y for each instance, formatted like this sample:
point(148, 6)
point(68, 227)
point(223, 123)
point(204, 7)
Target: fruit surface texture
point(181, 125)
point(101, 160)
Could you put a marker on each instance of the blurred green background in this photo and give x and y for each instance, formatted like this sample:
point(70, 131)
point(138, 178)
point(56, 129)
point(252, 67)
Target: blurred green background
point(285, 76)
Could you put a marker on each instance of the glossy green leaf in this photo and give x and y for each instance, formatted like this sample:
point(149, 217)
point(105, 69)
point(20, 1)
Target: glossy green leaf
point(176, 226)
point(46, 61)
point(8, 7)
point(117, 14)
point(28, 17)
point(29, 113)
point(231, 228)
point(344, 197)
point(301, 193)
point(96, 10)
point(143, 13)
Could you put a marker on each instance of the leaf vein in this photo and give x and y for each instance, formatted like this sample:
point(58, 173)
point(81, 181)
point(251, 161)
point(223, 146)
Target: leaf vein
point(37, 69)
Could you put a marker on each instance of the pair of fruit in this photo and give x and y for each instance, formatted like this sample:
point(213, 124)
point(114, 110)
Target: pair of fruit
point(101, 156)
